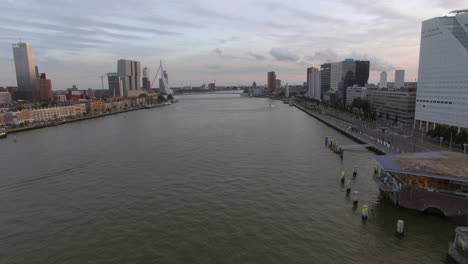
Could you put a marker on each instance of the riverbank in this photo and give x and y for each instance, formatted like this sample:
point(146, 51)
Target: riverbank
point(380, 149)
point(61, 122)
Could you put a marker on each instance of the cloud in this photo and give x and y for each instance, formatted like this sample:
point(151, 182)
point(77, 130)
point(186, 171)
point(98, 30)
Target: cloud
point(283, 55)
point(376, 64)
point(460, 4)
point(231, 39)
point(323, 56)
point(256, 55)
point(218, 52)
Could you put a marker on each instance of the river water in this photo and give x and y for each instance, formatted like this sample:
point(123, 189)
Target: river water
point(211, 179)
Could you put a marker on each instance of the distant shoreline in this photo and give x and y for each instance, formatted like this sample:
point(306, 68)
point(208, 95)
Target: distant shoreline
point(57, 123)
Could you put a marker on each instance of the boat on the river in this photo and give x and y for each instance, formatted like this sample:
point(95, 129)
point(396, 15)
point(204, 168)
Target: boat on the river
point(3, 132)
point(433, 182)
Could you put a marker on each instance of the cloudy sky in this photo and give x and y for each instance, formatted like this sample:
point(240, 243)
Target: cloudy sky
point(232, 42)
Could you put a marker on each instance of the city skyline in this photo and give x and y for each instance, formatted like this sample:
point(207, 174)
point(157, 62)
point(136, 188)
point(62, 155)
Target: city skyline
point(202, 41)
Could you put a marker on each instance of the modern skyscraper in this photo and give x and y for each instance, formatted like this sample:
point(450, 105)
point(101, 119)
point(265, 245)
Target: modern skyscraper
point(443, 76)
point(26, 77)
point(349, 79)
point(362, 73)
point(399, 79)
point(314, 90)
point(336, 75)
point(146, 81)
point(309, 72)
point(383, 80)
point(271, 83)
point(114, 84)
point(129, 75)
point(325, 75)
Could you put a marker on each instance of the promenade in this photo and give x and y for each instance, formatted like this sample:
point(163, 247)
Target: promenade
point(380, 142)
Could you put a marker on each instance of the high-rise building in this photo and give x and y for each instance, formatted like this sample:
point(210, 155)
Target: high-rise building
point(383, 80)
point(278, 84)
point(271, 83)
point(362, 73)
point(399, 79)
point(313, 89)
point(115, 88)
point(26, 77)
point(309, 72)
point(129, 75)
point(443, 76)
point(349, 79)
point(146, 81)
point(325, 75)
point(45, 85)
point(336, 75)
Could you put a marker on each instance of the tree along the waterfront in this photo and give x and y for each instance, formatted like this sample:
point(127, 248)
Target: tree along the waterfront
point(449, 131)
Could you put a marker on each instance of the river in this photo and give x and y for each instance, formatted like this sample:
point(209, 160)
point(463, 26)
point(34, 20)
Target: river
point(211, 179)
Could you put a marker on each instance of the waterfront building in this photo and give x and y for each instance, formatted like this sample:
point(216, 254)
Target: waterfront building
point(307, 82)
point(45, 87)
point(58, 112)
point(353, 93)
point(26, 77)
point(398, 104)
point(271, 81)
point(362, 73)
point(115, 88)
point(19, 117)
point(443, 79)
point(212, 86)
point(5, 98)
point(129, 73)
point(278, 84)
point(145, 80)
point(336, 75)
point(325, 75)
point(313, 89)
point(349, 79)
point(399, 79)
point(383, 80)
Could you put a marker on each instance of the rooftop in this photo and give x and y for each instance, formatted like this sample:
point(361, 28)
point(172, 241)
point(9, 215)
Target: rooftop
point(443, 164)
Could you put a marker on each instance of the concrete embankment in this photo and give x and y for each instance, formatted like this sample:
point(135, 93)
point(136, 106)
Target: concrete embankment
point(354, 136)
point(57, 123)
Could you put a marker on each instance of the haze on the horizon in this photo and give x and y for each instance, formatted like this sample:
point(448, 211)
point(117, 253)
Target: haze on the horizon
point(232, 42)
